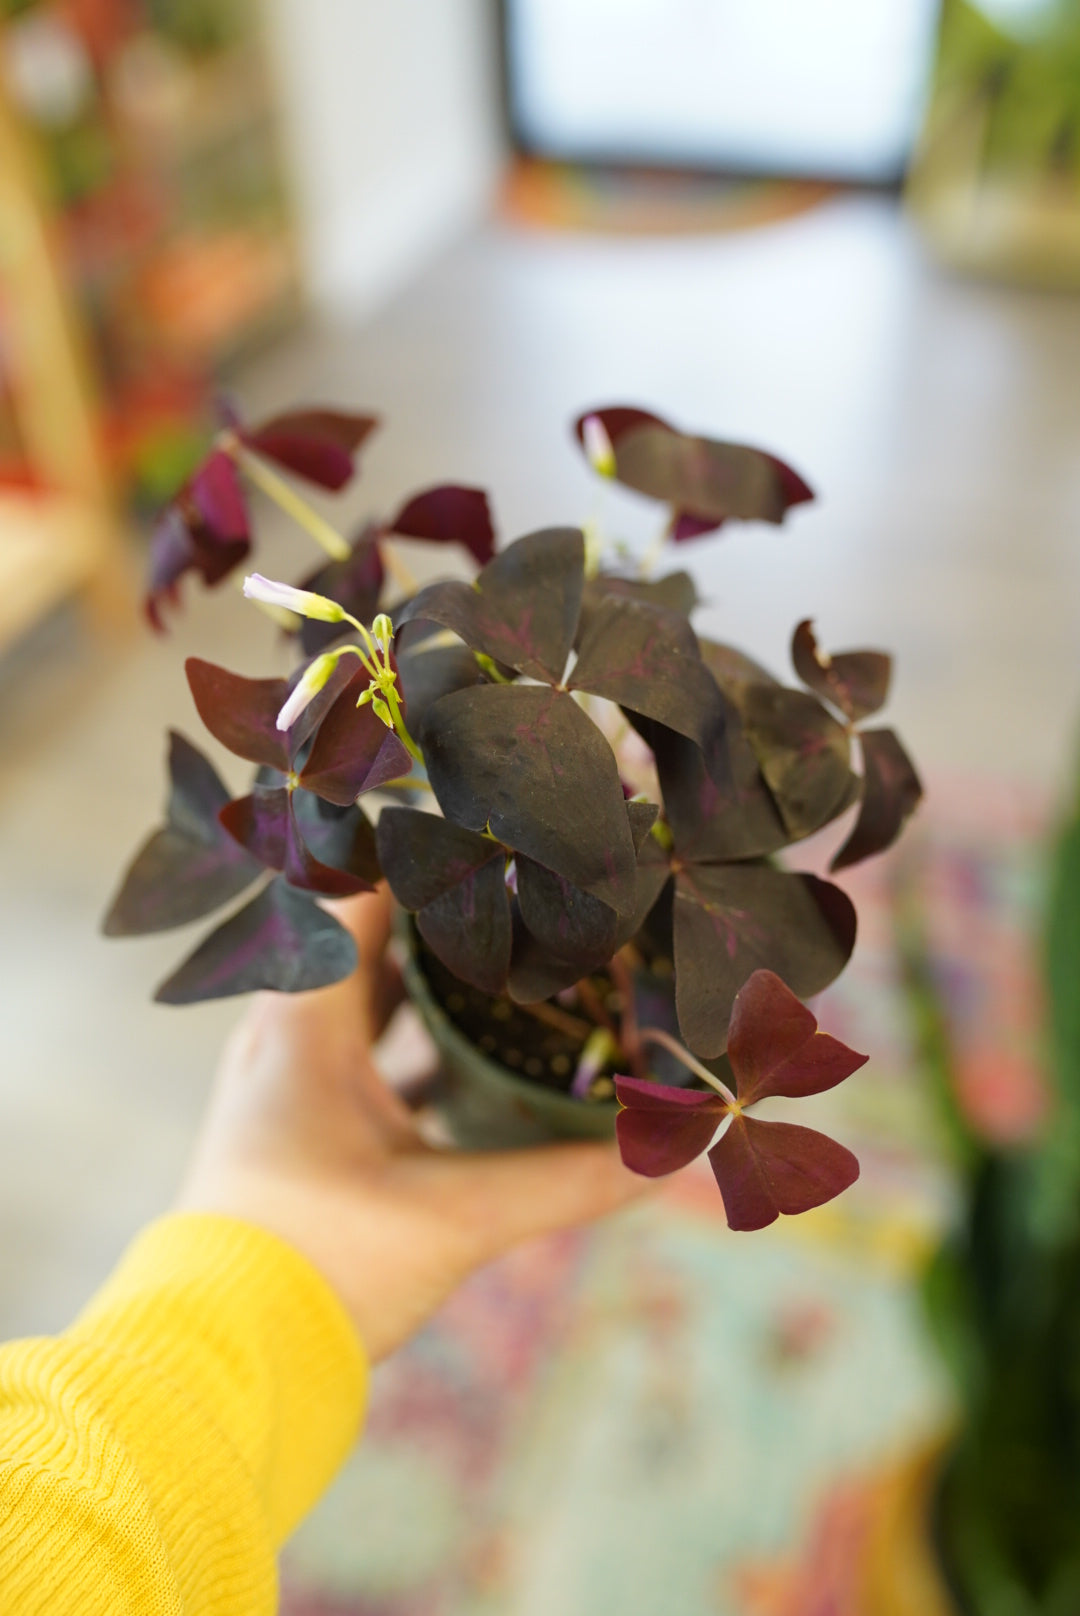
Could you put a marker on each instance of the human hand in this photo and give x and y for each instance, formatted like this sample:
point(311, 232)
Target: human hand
point(304, 1138)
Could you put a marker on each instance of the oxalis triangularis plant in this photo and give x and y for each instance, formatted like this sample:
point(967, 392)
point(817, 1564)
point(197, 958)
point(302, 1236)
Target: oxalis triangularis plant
point(606, 797)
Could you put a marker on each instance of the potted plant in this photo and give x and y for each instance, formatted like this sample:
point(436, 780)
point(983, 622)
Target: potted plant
point(582, 808)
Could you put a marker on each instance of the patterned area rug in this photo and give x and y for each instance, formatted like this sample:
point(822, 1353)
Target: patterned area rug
point(660, 1416)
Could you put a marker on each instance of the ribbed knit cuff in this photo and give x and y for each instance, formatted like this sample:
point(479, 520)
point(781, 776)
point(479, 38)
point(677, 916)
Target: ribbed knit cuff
point(248, 1330)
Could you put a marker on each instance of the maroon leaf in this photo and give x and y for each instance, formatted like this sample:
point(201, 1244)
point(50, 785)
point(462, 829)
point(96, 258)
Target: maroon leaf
point(735, 819)
point(353, 750)
point(803, 753)
point(185, 541)
point(523, 609)
point(241, 713)
point(569, 923)
point(449, 515)
point(646, 659)
point(733, 919)
point(661, 1129)
point(676, 591)
point(891, 793)
point(775, 1048)
point(535, 973)
point(526, 761)
point(855, 681)
point(355, 583)
point(454, 881)
point(318, 445)
point(427, 672)
point(190, 866)
point(766, 1168)
point(733, 670)
point(642, 816)
point(704, 481)
point(265, 824)
point(282, 940)
point(343, 838)
point(217, 496)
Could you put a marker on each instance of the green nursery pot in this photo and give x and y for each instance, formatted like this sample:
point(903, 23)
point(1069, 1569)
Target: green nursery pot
point(484, 1104)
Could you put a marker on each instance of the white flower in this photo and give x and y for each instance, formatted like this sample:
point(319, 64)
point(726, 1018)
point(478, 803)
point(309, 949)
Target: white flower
point(598, 446)
point(307, 688)
point(301, 601)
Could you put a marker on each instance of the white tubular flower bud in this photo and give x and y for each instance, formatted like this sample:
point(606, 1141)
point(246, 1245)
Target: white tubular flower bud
point(301, 601)
point(306, 689)
point(382, 631)
point(598, 446)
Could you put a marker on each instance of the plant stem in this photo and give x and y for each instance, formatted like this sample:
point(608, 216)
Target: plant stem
point(401, 727)
point(628, 1028)
point(561, 1020)
point(397, 569)
point(288, 500)
point(594, 1006)
point(656, 1035)
point(408, 782)
point(488, 665)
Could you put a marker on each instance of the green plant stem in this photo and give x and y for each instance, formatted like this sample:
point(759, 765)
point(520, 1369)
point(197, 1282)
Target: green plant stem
point(408, 783)
point(488, 665)
point(656, 1035)
point(288, 500)
point(400, 726)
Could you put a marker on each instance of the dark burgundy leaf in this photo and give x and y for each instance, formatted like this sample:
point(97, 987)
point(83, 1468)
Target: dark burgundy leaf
point(355, 583)
point(425, 857)
point(265, 824)
point(353, 750)
point(567, 922)
point(685, 525)
point(803, 753)
point(344, 838)
point(766, 1168)
point(426, 672)
point(734, 919)
point(190, 866)
point(241, 713)
point(774, 1045)
point(617, 420)
point(653, 872)
point(646, 659)
point(535, 973)
point(282, 940)
point(449, 515)
point(217, 496)
point(736, 820)
point(527, 761)
point(733, 670)
point(180, 544)
point(642, 817)
point(855, 681)
point(676, 592)
point(316, 444)
point(469, 927)
point(662, 1129)
point(524, 607)
point(707, 480)
point(891, 793)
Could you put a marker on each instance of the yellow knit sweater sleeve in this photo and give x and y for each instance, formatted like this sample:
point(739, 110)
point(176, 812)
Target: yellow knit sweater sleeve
point(154, 1456)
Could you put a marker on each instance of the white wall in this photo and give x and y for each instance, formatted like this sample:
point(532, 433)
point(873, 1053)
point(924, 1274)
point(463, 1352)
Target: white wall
point(392, 122)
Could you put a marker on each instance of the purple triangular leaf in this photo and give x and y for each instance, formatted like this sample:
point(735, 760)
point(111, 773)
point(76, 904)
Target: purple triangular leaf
point(343, 838)
point(662, 1129)
point(646, 658)
point(733, 670)
point(676, 592)
point(449, 514)
point(468, 927)
point(216, 493)
point(857, 682)
point(265, 824)
point(189, 867)
point(526, 760)
point(353, 751)
point(736, 818)
point(425, 857)
point(733, 919)
point(241, 713)
point(803, 753)
point(891, 793)
point(768, 1168)
point(775, 1048)
point(318, 445)
point(282, 941)
point(523, 608)
point(566, 921)
point(427, 672)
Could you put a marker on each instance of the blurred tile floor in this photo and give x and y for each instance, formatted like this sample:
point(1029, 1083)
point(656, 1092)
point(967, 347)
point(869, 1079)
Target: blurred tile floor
point(939, 420)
